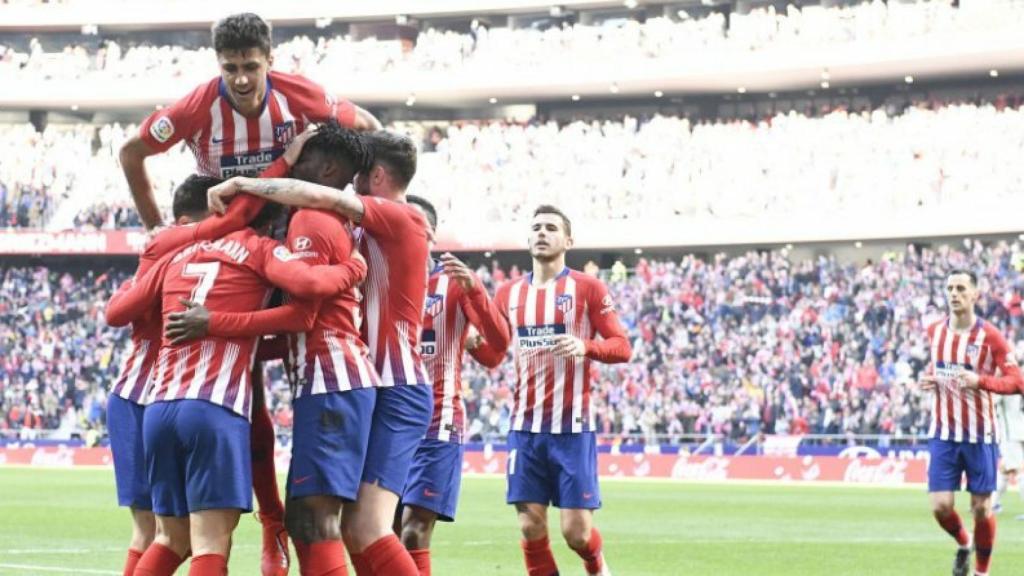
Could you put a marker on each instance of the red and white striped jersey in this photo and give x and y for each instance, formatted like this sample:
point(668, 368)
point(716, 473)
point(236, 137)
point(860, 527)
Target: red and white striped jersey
point(232, 274)
point(448, 312)
point(393, 240)
point(965, 415)
point(331, 357)
point(227, 144)
point(132, 385)
point(553, 394)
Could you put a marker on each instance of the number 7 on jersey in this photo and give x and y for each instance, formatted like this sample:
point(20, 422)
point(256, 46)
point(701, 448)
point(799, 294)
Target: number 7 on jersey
point(207, 274)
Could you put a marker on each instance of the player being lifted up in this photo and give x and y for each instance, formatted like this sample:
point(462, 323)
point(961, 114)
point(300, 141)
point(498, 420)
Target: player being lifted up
point(196, 430)
point(555, 314)
point(456, 302)
point(236, 124)
point(969, 359)
point(393, 238)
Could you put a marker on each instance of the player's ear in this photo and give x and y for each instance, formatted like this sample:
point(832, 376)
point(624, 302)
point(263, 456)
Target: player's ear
point(568, 242)
point(270, 60)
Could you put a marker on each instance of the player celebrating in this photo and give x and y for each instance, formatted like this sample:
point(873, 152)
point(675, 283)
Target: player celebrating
point(393, 237)
point(128, 395)
point(197, 430)
point(336, 379)
point(555, 314)
point(1010, 414)
point(456, 300)
point(967, 354)
point(236, 124)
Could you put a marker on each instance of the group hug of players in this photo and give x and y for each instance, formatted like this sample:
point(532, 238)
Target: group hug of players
point(373, 333)
point(371, 328)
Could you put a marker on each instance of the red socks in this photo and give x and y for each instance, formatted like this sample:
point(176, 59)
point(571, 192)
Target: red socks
point(387, 557)
point(984, 539)
point(422, 560)
point(158, 560)
point(591, 553)
point(133, 559)
point(951, 523)
point(539, 560)
point(302, 554)
point(264, 473)
point(208, 565)
point(325, 558)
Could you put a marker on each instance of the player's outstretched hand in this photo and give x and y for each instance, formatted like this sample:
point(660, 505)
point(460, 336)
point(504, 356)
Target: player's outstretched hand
point(567, 346)
point(188, 325)
point(458, 271)
point(928, 383)
point(294, 150)
point(218, 196)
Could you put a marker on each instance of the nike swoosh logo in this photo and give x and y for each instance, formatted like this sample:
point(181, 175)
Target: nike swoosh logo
point(217, 140)
point(428, 493)
point(301, 480)
point(587, 495)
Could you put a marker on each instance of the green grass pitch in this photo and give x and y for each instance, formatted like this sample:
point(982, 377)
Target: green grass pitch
point(66, 522)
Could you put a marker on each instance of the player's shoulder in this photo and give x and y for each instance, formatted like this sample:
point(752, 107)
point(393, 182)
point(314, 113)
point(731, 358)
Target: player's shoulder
point(935, 325)
point(200, 98)
point(586, 281)
point(168, 239)
point(297, 86)
point(310, 218)
point(991, 331)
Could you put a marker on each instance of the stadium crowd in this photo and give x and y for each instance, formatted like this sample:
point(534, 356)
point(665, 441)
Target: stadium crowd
point(785, 165)
point(612, 42)
point(732, 345)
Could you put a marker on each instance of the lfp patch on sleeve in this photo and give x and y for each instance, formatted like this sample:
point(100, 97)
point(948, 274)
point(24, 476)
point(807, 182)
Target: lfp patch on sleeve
point(162, 129)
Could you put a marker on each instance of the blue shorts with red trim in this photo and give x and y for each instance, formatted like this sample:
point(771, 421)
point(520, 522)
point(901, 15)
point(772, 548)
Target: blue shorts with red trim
point(124, 422)
point(329, 440)
point(951, 460)
point(198, 457)
point(555, 469)
point(400, 419)
point(435, 478)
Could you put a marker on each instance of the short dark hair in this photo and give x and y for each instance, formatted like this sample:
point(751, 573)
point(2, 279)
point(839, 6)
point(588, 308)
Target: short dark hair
point(549, 209)
point(241, 32)
point(190, 196)
point(427, 207)
point(395, 152)
point(335, 141)
point(969, 273)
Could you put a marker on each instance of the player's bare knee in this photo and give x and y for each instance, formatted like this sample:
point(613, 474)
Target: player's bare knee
point(417, 529)
point(532, 523)
point(143, 529)
point(576, 534)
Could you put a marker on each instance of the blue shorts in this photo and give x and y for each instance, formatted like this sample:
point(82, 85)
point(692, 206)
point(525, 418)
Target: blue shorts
point(329, 439)
point(555, 469)
point(950, 460)
point(197, 457)
point(435, 478)
point(400, 419)
point(124, 422)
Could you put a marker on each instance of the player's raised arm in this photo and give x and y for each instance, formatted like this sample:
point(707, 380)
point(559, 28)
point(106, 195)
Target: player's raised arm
point(482, 312)
point(483, 351)
point(158, 133)
point(133, 162)
point(137, 296)
point(289, 192)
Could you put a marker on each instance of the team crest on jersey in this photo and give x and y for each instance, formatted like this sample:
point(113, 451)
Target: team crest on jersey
point(973, 352)
point(434, 304)
point(284, 133)
point(564, 303)
point(162, 129)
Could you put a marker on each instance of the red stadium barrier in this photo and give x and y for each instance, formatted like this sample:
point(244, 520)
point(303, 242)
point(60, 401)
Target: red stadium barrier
point(873, 471)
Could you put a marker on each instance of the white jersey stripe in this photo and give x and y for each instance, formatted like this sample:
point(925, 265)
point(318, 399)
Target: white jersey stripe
point(522, 358)
point(241, 145)
point(205, 355)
